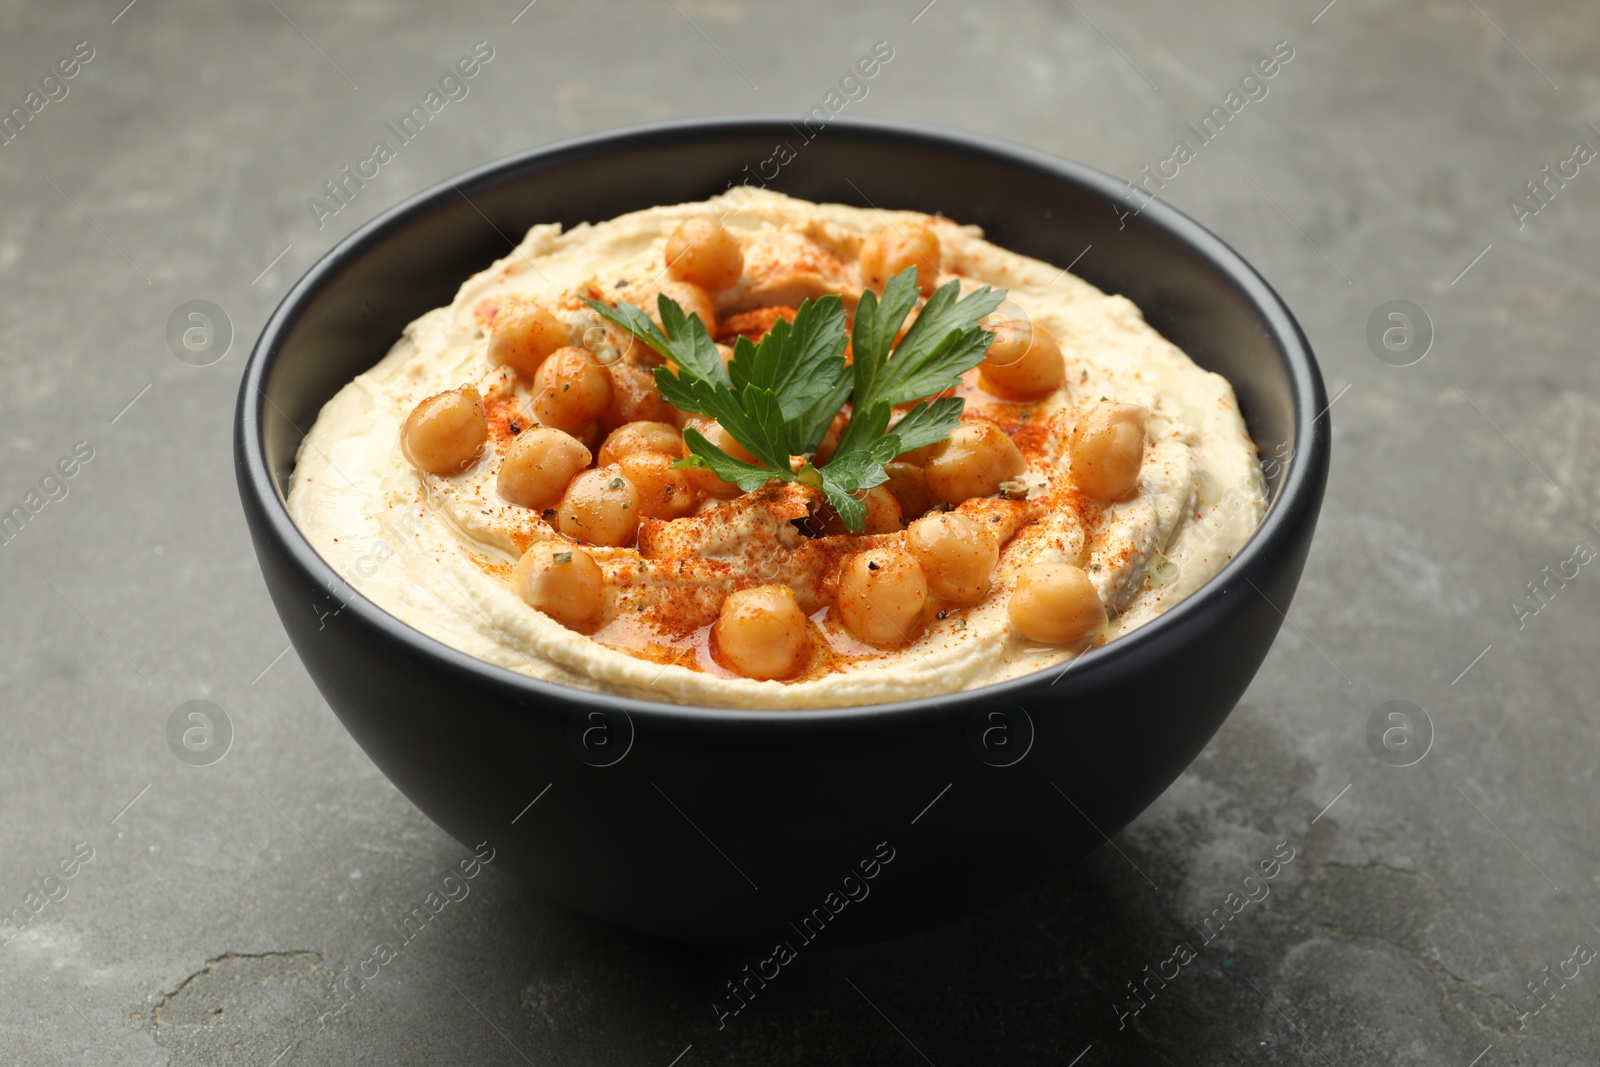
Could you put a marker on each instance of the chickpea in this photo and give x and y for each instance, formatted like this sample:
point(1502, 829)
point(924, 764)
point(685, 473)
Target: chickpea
point(523, 336)
point(664, 492)
point(894, 248)
point(641, 436)
point(570, 391)
point(538, 466)
point(957, 555)
point(563, 581)
point(702, 253)
point(882, 596)
point(1022, 361)
point(601, 507)
point(883, 511)
point(444, 434)
point(1055, 603)
point(704, 481)
point(694, 301)
point(635, 398)
point(974, 461)
point(909, 486)
point(883, 514)
point(761, 632)
point(1106, 450)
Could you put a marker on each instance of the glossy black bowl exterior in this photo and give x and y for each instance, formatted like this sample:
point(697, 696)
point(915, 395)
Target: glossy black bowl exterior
point(747, 828)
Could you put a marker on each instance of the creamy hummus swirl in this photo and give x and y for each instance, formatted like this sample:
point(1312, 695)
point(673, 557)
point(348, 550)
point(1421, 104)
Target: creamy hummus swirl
point(438, 552)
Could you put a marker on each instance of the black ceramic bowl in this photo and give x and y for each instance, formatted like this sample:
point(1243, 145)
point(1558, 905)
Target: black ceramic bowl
point(744, 828)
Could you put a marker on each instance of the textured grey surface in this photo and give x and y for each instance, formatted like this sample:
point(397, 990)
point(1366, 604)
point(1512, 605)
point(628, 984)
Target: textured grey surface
point(219, 907)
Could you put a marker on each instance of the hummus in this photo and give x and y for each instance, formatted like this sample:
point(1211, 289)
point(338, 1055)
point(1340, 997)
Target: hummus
point(439, 551)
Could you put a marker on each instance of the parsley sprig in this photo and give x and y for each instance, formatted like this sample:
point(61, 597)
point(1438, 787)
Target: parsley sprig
point(778, 398)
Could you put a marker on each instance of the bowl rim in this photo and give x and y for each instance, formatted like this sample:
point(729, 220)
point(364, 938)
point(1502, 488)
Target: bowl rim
point(1301, 488)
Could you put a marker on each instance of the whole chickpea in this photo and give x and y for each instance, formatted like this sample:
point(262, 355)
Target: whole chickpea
point(974, 461)
point(523, 336)
point(563, 581)
point(1106, 450)
point(1055, 603)
point(692, 298)
point(601, 507)
point(957, 555)
point(761, 632)
point(444, 434)
point(1022, 361)
point(883, 511)
point(641, 436)
point(635, 398)
point(538, 466)
point(664, 491)
point(894, 248)
point(883, 596)
point(570, 391)
point(702, 253)
point(704, 481)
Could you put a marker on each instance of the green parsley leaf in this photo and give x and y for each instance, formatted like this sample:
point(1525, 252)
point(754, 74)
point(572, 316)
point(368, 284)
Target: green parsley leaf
point(692, 348)
point(845, 475)
point(877, 324)
point(778, 397)
point(752, 416)
point(928, 424)
point(801, 363)
point(707, 456)
point(681, 338)
point(943, 344)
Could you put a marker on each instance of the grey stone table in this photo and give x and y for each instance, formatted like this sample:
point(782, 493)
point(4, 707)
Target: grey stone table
point(1440, 912)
